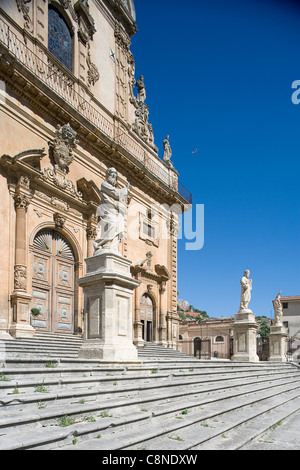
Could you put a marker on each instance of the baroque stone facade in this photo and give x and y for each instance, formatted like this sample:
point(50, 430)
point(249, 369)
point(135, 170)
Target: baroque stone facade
point(69, 112)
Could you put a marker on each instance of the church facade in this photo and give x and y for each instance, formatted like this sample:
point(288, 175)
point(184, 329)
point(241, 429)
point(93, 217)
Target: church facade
point(71, 107)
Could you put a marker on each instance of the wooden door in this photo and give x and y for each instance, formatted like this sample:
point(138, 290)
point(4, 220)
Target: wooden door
point(53, 282)
point(146, 317)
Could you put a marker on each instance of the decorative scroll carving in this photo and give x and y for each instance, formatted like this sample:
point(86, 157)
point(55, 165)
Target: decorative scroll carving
point(122, 38)
point(58, 178)
point(92, 73)
point(23, 8)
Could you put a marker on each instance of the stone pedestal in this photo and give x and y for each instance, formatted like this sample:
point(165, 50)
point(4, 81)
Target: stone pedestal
point(108, 290)
point(21, 327)
point(277, 343)
point(244, 337)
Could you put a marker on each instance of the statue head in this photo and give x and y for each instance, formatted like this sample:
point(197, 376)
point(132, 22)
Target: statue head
point(111, 176)
point(247, 273)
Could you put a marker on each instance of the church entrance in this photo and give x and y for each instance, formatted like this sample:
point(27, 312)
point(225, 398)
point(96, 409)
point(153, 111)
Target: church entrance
point(53, 275)
point(146, 317)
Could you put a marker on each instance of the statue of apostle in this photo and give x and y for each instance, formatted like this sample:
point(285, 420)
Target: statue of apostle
point(111, 213)
point(278, 312)
point(246, 287)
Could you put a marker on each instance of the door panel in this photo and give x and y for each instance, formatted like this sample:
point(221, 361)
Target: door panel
point(53, 282)
point(63, 312)
point(40, 300)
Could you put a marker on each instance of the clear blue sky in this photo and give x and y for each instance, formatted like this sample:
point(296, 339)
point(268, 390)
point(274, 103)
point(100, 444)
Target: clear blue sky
point(219, 76)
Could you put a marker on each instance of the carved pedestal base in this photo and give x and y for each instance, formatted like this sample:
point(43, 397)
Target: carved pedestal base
point(277, 344)
point(137, 334)
point(21, 327)
point(244, 337)
point(108, 291)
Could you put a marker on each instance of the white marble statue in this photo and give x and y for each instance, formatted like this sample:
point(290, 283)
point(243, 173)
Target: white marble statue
point(278, 312)
point(111, 212)
point(246, 287)
point(167, 151)
point(141, 89)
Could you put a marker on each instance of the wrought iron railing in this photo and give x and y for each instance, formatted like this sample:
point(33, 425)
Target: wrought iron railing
point(62, 82)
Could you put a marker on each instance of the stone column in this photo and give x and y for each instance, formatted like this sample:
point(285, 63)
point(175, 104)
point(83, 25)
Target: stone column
point(108, 289)
point(137, 324)
point(20, 299)
point(162, 327)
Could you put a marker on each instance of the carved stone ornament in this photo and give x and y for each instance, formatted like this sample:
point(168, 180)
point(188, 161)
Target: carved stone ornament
point(23, 8)
point(59, 220)
point(58, 178)
point(20, 277)
point(63, 145)
point(92, 73)
point(85, 20)
point(141, 125)
point(21, 201)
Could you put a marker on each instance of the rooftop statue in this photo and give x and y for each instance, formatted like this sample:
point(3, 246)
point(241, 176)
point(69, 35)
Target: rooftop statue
point(141, 89)
point(111, 213)
point(167, 152)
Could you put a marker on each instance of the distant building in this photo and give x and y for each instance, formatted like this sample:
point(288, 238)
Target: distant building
point(210, 338)
point(291, 320)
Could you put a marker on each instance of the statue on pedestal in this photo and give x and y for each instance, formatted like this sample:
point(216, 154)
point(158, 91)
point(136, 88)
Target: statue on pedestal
point(246, 287)
point(111, 213)
point(278, 312)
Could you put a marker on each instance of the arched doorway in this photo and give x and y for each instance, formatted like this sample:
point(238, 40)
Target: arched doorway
point(53, 276)
point(146, 317)
point(197, 347)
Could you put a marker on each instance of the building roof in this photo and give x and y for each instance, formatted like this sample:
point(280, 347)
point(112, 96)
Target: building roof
point(289, 298)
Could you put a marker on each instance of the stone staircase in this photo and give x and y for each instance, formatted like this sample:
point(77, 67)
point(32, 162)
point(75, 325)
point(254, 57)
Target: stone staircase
point(50, 399)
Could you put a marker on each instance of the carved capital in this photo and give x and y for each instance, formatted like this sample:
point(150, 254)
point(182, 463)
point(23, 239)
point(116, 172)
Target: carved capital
point(91, 233)
point(21, 201)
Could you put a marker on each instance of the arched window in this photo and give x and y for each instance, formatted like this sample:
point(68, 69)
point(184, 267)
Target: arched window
point(219, 339)
point(60, 42)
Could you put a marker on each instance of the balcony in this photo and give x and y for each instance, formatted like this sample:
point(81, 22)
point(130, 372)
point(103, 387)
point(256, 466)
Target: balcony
point(50, 77)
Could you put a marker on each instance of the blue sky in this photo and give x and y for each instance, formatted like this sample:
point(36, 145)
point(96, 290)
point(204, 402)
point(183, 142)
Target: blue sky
point(219, 76)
